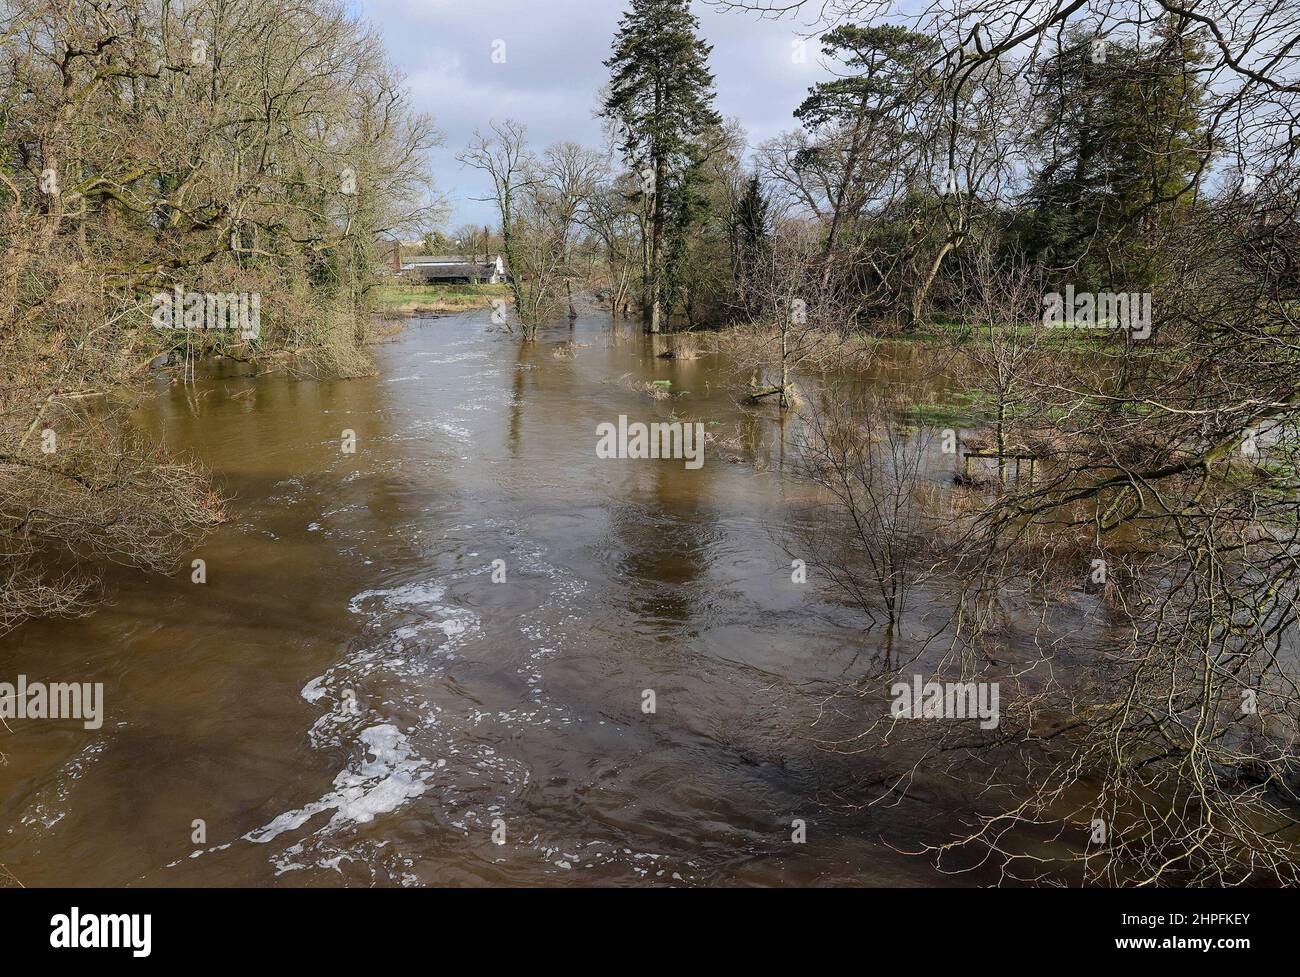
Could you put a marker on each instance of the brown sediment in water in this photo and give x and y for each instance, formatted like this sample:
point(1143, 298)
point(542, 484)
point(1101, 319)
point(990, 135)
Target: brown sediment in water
point(351, 699)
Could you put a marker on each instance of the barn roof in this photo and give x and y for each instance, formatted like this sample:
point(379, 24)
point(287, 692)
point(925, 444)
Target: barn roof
point(442, 259)
point(475, 269)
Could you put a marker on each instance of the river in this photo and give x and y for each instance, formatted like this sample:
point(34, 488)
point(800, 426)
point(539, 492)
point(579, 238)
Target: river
point(351, 699)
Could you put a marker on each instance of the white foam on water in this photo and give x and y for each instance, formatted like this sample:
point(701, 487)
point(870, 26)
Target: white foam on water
point(456, 431)
point(312, 691)
point(425, 599)
point(389, 673)
point(50, 805)
point(456, 358)
point(418, 744)
point(385, 779)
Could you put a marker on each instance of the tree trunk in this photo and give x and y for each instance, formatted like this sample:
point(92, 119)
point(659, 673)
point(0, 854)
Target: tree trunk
point(1002, 439)
point(508, 243)
point(837, 209)
point(923, 288)
point(785, 367)
point(645, 273)
point(654, 314)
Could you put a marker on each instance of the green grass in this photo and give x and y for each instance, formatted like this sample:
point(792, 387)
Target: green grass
point(948, 414)
point(440, 298)
point(965, 332)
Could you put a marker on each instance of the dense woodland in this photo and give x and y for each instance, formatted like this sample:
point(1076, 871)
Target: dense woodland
point(963, 163)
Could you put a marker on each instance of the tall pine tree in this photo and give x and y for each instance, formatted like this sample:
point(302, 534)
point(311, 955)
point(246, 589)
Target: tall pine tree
point(661, 99)
point(859, 122)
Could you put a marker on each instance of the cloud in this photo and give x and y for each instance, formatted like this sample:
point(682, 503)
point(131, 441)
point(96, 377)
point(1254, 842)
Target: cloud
point(552, 72)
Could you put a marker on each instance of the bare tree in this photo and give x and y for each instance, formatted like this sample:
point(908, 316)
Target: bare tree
point(1148, 577)
point(613, 219)
point(871, 538)
point(797, 325)
point(503, 155)
point(256, 147)
point(569, 177)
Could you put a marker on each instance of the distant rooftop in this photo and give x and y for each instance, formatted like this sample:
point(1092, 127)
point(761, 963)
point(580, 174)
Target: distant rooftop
point(444, 259)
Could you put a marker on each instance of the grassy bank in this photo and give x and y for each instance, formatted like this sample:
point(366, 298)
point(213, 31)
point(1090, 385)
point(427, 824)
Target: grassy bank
point(404, 299)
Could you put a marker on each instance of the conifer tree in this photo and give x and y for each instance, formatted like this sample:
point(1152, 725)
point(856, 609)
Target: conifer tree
point(661, 99)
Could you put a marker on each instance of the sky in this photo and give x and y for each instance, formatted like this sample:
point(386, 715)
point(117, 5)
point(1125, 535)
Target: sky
point(548, 72)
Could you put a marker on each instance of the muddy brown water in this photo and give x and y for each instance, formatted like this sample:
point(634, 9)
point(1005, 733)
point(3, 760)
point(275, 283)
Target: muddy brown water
point(351, 700)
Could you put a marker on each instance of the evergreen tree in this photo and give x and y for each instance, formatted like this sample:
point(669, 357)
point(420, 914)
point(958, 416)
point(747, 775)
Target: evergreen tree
point(1123, 142)
point(661, 98)
point(750, 240)
point(861, 122)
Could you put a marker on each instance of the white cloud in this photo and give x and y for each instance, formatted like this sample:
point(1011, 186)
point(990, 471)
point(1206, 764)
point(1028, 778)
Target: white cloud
point(553, 70)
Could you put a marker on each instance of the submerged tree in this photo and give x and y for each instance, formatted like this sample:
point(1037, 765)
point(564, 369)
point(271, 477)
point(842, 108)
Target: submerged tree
point(872, 537)
point(1141, 595)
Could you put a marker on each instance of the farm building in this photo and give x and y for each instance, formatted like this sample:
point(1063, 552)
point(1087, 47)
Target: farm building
point(453, 270)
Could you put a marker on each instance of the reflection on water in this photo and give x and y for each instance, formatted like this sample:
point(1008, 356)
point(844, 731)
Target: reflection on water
point(352, 699)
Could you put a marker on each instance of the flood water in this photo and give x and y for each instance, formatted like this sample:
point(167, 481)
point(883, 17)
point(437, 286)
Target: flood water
point(351, 699)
